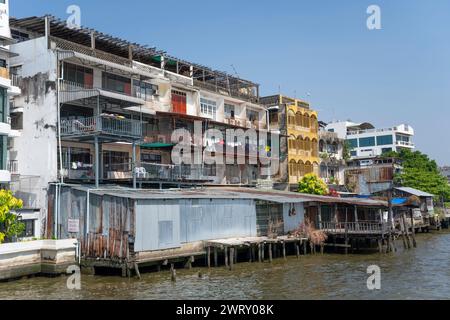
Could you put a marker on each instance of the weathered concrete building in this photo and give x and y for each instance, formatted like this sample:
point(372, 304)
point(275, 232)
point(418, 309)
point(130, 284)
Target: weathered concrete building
point(97, 109)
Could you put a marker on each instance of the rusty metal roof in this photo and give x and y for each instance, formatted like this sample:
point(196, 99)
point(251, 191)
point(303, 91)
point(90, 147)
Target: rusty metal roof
point(226, 193)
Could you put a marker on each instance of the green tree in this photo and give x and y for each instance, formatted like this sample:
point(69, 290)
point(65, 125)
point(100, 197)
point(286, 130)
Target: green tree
point(420, 172)
point(9, 222)
point(311, 184)
point(346, 151)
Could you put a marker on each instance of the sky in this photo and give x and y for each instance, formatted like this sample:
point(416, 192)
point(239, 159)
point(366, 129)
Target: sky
point(320, 51)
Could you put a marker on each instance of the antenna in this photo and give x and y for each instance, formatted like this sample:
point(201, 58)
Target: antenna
point(234, 69)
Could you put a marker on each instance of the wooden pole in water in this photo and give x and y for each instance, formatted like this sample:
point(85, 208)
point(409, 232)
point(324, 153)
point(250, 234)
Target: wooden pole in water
point(225, 249)
point(270, 252)
point(380, 245)
point(136, 269)
point(231, 257)
point(262, 250)
point(216, 262)
point(408, 240)
point(413, 231)
point(173, 273)
point(208, 257)
point(402, 229)
point(284, 250)
point(297, 249)
point(259, 252)
point(304, 247)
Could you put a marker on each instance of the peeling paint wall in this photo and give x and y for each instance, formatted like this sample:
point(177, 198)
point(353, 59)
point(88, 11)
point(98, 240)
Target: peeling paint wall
point(36, 148)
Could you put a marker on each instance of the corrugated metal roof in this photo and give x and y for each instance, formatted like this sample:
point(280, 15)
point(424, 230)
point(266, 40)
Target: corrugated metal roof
point(414, 192)
point(227, 193)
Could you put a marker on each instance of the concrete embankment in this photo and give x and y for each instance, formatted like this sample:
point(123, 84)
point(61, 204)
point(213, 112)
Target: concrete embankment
point(48, 257)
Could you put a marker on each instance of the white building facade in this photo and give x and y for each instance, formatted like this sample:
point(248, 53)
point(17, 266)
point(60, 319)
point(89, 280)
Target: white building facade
point(8, 89)
point(365, 140)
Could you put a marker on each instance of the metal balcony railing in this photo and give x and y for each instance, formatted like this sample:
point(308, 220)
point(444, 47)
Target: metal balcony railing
point(13, 166)
point(101, 125)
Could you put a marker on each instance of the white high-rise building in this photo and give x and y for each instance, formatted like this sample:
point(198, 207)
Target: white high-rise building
point(8, 88)
point(367, 141)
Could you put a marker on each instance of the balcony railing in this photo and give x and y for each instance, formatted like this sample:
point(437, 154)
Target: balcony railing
point(13, 166)
point(369, 227)
point(405, 143)
point(102, 124)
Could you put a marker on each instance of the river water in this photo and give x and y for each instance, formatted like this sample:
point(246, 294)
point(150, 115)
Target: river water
point(421, 273)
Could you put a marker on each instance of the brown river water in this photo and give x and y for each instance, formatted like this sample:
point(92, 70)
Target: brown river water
point(421, 273)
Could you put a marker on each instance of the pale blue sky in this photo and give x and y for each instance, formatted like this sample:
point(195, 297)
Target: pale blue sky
point(398, 74)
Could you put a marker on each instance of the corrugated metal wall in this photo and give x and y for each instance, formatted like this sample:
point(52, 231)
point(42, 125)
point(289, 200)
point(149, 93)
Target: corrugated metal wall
point(203, 219)
point(157, 225)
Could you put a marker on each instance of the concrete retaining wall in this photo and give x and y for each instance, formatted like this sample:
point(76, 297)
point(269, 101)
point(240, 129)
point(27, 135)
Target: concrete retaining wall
point(48, 257)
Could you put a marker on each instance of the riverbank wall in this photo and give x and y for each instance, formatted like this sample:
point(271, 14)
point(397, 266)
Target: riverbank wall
point(47, 257)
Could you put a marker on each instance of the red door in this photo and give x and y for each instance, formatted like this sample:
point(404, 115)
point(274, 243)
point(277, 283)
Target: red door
point(179, 102)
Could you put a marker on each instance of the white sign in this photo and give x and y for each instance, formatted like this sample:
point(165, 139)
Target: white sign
point(74, 225)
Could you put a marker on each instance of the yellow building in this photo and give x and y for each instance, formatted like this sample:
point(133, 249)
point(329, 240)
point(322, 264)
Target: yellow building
point(295, 121)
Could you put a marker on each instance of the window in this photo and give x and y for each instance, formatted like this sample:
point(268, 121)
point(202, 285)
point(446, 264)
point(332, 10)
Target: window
point(151, 158)
point(330, 130)
point(384, 140)
point(78, 75)
point(116, 161)
point(17, 121)
point(401, 137)
point(353, 143)
point(116, 83)
point(229, 111)
point(29, 229)
point(385, 150)
point(144, 90)
point(367, 142)
point(210, 170)
point(76, 158)
point(19, 36)
point(353, 153)
point(2, 63)
point(252, 115)
point(208, 108)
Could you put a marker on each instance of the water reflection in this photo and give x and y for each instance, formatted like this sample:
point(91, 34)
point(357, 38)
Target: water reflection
point(421, 273)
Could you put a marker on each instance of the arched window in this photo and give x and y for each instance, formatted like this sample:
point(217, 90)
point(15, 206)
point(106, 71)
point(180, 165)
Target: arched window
point(293, 168)
point(307, 144)
point(316, 168)
point(301, 168)
point(291, 118)
point(314, 148)
point(308, 167)
point(322, 146)
point(314, 123)
point(299, 143)
point(306, 123)
point(292, 144)
point(298, 119)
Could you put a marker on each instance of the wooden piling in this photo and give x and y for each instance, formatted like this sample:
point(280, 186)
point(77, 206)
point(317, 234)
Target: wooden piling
point(413, 231)
point(262, 251)
point(136, 270)
point(304, 247)
point(259, 252)
point(297, 249)
point(216, 262)
point(209, 257)
point(173, 273)
point(231, 257)
point(284, 250)
point(270, 252)
point(225, 249)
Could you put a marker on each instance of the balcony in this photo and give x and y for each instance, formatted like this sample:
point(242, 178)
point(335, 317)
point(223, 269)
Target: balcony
point(73, 91)
point(13, 166)
point(101, 125)
point(407, 144)
point(244, 123)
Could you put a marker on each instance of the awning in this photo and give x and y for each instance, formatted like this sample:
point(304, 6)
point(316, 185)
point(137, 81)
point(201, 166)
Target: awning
point(156, 145)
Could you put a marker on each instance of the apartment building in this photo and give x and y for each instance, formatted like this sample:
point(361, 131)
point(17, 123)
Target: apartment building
point(8, 89)
point(445, 171)
point(367, 141)
point(332, 158)
point(97, 110)
point(297, 125)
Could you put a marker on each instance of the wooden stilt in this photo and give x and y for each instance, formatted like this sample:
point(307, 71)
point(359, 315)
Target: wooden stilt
point(297, 249)
point(262, 250)
point(136, 270)
point(380, 245)
point(284, 250)
point(226, 256)
point(208, 257)
point(231, 257)
point(259, 252)
point(173, 273)
point(413, 231)
point(216, 262)
point(304, 247)
point(270, 252)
